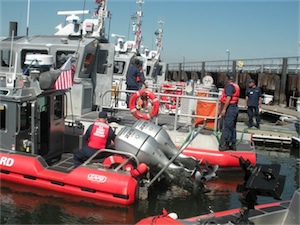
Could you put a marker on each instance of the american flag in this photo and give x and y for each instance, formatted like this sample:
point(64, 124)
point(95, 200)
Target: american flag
point(65, 79)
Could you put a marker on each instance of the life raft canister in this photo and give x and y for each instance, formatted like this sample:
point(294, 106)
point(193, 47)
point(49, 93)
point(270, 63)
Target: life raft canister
point(154, 101)
point(115, 160)
point(167, 99)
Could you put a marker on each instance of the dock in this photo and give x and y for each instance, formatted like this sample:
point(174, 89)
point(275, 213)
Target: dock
point(278, 133)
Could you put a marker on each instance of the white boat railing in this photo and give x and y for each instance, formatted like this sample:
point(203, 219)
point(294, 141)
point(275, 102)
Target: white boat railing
point(178, 100)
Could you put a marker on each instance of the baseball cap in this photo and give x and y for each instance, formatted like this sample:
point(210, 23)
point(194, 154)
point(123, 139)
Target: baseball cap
point(103, 115)
point(230, 76)
point(251, 80)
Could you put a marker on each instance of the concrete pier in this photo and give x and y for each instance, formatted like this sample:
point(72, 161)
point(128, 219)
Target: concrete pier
point(277, 133)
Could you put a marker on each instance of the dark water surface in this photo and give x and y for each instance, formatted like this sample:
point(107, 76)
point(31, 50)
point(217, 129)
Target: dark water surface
point(25, 205)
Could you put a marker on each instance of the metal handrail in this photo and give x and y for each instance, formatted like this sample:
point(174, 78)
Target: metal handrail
point(128, 154)
point(178, 97)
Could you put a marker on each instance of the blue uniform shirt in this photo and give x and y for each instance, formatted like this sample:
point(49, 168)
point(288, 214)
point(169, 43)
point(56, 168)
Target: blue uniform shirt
point(229, 90)
point(253, 96)
point(132, 73)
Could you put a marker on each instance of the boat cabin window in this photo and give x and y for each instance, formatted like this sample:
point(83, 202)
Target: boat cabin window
point(119, 67)
point(148, 70)
point(5, 55)
point(88, 64)
point(2, 117)
point(159, 70)
point(24, 52)
point(25, 117)
point(102, 62)
point(58, 107)
point(62, 57)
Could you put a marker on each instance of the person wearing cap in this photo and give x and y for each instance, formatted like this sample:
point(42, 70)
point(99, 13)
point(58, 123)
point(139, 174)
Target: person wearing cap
point(253, 103)
point(229, 105)
point(133, 79)
point(98, 136)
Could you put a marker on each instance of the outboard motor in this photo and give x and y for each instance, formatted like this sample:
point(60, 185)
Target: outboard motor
point(165, 143)
point(146, 150)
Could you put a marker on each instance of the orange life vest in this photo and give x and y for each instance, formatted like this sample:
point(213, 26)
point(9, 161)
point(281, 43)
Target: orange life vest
point(98, 135)
point(234, 97)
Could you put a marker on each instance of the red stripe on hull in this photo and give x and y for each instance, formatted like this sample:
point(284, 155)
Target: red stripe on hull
point(232, 211)
point(98, 184)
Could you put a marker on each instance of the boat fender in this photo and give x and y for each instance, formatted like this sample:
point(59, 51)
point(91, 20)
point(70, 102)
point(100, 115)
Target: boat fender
point(154, 101)
point(139, 171)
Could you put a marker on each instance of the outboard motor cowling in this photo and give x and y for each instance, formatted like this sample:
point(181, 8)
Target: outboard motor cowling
point(145, 148)
point(165, 143)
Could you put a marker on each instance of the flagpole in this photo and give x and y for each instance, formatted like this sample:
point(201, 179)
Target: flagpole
point(28, 9)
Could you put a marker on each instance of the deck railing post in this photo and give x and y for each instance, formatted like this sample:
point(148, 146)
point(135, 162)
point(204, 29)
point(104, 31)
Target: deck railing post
point(202, 70)
point(282, 95)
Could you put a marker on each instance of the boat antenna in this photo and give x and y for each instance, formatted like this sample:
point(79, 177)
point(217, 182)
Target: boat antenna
point(28, 10)
point(102, 14)
point(158, 34)
point(137, 24)
point(83, 10)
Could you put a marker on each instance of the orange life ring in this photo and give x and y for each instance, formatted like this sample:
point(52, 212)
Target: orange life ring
point(171, 105)
point(133, 101)
point(113, 160)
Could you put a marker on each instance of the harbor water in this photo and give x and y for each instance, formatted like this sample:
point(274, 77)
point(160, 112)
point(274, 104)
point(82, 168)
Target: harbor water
point(26, 205)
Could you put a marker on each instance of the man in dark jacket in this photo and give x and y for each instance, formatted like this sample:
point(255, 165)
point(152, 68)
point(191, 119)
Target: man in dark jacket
point(253, 103)
point(133, 79)
point(98, 136)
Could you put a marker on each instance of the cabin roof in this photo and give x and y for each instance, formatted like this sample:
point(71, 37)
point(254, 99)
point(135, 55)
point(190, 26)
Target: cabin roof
point(45, 39)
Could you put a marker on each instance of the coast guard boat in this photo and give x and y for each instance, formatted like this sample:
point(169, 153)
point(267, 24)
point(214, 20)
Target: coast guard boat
point(41, 77)
point(95, 88)
point(126, 51)
point(35, 151)
point(41, 123)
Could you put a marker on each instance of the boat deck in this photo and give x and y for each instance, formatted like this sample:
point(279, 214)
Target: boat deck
point(65, 165)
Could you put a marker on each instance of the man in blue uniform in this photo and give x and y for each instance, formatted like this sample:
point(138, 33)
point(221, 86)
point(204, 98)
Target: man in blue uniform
point(99, 135)
point(133, 79)
point(229, 103)
point(253, 103)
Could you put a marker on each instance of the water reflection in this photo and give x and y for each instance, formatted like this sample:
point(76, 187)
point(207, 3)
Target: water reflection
point(27, 205)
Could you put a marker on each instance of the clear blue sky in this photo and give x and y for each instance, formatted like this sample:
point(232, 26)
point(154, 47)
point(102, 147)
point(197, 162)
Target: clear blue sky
point(195, 30)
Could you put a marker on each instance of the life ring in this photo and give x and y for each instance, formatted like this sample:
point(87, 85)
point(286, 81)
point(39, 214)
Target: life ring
point(133, 101)
point(172, 100)
point(115, 160)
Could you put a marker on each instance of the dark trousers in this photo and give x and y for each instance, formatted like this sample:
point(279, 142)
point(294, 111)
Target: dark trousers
point(229, 124)
point(85, 153)
point(253, 111)
point(133, 88)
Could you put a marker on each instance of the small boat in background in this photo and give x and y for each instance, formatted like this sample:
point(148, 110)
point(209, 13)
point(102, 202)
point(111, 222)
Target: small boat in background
point(261, 180)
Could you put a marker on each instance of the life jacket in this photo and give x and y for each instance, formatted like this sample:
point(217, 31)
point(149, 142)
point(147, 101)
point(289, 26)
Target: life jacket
point(234, 97)
point(98, 135)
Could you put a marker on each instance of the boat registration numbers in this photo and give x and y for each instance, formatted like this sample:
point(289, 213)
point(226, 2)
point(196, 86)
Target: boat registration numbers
point(6, 161)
